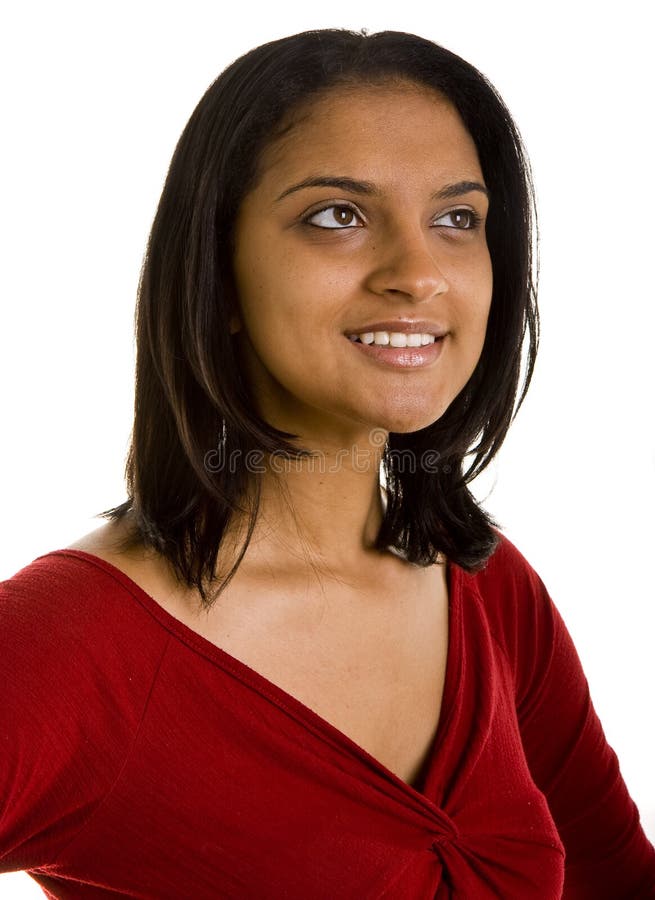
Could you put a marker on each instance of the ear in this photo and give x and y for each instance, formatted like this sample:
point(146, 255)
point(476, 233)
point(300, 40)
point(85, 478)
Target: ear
point(235, 324)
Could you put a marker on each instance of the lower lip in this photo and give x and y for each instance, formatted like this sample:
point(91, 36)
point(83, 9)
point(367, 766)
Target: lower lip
point(401, 357)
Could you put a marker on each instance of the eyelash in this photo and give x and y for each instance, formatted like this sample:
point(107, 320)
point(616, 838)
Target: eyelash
point(474, 219)
point(307, 219)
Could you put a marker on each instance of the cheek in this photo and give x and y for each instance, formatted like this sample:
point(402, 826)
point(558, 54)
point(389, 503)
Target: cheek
point(290, 299)
point(278, 328)
point(270, 282)
point(472, 288)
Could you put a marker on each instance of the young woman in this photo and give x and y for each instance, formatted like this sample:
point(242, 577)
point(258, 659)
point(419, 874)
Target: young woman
point(267, 676)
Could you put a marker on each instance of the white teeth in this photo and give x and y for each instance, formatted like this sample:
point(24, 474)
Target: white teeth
point(393, 338)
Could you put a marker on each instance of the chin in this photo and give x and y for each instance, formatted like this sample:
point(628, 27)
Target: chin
point(407, 421)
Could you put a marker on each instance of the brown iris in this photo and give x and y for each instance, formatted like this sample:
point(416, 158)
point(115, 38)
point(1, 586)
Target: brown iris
point(344, 215)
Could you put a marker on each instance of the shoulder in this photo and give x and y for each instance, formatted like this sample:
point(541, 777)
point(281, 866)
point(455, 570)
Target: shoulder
point(55, 598)
point(507, 566)
point(69, 596)
point(95, 584)
point(518, 610)
point(78, 658)
point(79, 649)
point(72, 629)
point(507, 585)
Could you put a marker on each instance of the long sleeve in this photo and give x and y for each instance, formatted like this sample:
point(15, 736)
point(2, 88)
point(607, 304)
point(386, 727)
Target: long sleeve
point(607, 853)
point(70, 704)
point(123, 734)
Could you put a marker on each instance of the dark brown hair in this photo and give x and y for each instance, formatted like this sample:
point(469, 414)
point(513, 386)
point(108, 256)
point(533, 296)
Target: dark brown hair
point(191, 397)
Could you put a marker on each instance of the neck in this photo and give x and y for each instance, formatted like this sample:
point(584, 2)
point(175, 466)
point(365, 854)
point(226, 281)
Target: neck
point(324, 511)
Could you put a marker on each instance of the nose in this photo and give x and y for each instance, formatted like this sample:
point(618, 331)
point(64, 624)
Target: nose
point(406, 266)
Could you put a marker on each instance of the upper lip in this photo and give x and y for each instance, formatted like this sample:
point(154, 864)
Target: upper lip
point(403, 326)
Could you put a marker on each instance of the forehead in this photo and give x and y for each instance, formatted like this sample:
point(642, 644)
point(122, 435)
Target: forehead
point(396, 128)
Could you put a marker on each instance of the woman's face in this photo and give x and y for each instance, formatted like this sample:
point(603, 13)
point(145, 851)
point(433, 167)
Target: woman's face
point(367, 219)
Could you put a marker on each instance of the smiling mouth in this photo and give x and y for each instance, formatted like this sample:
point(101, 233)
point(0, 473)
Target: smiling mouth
point(398, 350)
point(393, 339)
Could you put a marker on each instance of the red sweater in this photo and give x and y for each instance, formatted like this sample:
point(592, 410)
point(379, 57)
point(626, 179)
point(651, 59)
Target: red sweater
point(138, 759)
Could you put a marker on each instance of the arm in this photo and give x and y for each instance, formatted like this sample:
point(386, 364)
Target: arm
point(607, 852)
point(73, 689)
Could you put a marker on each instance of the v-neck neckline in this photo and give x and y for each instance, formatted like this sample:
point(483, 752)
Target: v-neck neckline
point(282, 698)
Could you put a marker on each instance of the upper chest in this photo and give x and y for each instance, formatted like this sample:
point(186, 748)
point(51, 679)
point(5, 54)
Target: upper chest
point(372, 665)
point(369, 658)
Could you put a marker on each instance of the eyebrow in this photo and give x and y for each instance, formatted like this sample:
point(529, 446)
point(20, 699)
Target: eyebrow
point(345, 184)
point(460, 187)
point(367, 188)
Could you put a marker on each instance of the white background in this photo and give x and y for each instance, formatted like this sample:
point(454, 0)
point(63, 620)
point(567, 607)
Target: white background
point(95, 97)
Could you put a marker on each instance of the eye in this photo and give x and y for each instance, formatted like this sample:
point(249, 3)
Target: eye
point(463, 219)
point(335, 217)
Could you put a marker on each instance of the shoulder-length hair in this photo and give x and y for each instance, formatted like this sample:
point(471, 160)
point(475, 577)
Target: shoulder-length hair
point(191, 399)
